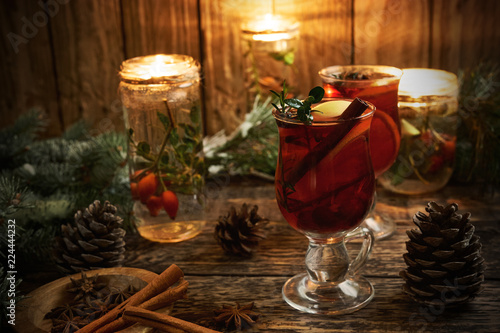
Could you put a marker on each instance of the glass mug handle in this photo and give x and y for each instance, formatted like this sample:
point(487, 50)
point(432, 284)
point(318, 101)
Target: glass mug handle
point(366, 248)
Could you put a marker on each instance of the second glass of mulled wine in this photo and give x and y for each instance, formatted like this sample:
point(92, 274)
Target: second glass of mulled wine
point(377, 85)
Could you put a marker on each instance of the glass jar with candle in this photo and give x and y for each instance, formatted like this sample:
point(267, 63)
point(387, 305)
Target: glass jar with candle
point(162, 111)
point(270, 46)
point(428, 103)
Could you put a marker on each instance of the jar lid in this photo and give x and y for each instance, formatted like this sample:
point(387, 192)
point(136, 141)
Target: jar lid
point(159, 68)
point(420, 82)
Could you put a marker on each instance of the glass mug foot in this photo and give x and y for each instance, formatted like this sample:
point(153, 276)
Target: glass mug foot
point(325, 298)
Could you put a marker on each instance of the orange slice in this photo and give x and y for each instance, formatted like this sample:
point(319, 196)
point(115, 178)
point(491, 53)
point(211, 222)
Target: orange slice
point(384, 141)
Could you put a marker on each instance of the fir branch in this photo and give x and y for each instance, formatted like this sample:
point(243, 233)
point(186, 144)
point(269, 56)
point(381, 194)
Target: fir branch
point(14, 195)
point(478, 145)
point(77, 131)
point(15, 139)
point(251, 149)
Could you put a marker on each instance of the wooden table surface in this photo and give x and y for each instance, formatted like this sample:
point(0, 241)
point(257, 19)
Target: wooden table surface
point(217, 278)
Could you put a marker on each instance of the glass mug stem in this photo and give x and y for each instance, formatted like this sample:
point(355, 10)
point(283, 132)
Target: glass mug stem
point(329, 261)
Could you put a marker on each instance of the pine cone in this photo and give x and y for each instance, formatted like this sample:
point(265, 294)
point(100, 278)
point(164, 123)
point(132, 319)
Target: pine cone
point(95, 241)
point(445, 266)
point(240, 233)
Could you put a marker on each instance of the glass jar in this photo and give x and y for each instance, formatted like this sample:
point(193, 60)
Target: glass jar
point(428, 104)
point(269, 50)
point(160, 95)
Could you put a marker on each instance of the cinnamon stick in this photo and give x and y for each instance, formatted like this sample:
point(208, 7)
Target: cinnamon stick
point(162, 322)
point(167, 297)
point(315, 155)
point(161, 300)
point(159, 284)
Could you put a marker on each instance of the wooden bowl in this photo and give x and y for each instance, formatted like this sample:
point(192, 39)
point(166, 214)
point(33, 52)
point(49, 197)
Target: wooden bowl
point(31, 310)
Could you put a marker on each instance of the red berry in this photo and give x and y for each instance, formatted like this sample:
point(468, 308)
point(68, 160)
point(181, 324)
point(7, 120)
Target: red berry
point(154, 205)
point(147, 187)
point(134, 190)
point(170, 203)
point(448, 148)
point(436, 164)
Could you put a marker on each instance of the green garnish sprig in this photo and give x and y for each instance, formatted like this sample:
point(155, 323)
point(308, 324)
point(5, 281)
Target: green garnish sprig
point(303, 107)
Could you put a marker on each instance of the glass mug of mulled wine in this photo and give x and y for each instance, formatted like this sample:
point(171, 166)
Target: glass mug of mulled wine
point(377, 85)
point(325, 186)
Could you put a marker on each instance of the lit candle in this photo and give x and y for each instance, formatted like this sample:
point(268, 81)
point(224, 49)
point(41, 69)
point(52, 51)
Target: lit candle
point(272, 29)
point(161, 103)
point(159, 67)
point(269, 51)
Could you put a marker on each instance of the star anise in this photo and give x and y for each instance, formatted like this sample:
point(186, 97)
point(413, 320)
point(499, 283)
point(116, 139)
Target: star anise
point(67, 309)
point(116, 296)
point(97, 309)
point(67, 324)
point(86, 288)
point(236, 317)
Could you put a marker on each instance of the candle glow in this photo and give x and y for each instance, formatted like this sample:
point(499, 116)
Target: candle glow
point(271, 28)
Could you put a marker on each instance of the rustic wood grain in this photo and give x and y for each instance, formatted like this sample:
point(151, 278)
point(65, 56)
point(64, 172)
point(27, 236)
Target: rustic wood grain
point(225, 103)
point(325, 37)
point(464, 33)
point(27, 77)
point(88, 52)
point(283, 251)
point(389, 311)
point(392, 32)
point(159, 26)
point(70, 67)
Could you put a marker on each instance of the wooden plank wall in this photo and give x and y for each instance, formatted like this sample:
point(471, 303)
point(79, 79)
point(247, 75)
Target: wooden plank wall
point(68, 64)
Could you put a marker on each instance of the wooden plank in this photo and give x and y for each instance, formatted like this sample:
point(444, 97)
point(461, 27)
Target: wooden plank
point(392, 32)
point(27, 78)
point(464, 33)
point(159, 26)
point(202, 255)
point(88, 52)
point(389, 311)
point(225, 103)
point(325, 37)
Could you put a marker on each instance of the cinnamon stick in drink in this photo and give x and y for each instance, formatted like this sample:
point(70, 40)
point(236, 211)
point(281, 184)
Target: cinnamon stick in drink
point(315, 155)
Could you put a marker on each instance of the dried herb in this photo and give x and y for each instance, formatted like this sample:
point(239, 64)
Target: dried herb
point(303, 107)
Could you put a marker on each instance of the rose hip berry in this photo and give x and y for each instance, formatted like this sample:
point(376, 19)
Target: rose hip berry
point(147, 187)
point(154, 205)
point(170, 203)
